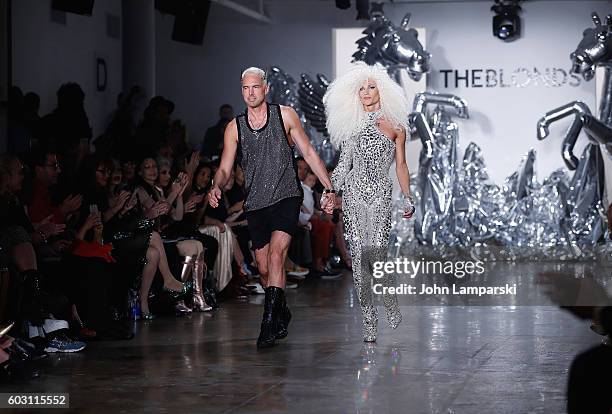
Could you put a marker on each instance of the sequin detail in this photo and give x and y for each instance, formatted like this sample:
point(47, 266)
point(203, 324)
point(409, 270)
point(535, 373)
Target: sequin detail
point(363, 173)
point(270, 171)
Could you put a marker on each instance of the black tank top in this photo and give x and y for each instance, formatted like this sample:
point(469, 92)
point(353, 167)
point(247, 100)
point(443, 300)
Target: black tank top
point(270, 170)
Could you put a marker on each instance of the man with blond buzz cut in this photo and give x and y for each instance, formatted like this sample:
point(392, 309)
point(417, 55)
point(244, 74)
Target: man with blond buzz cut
point(262, 138)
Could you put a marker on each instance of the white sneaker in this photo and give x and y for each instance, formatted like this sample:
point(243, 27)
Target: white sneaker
point(298, 271)
point(258, 288)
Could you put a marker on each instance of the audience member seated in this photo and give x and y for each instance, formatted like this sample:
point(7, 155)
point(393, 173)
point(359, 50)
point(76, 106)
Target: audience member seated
point(47, 170)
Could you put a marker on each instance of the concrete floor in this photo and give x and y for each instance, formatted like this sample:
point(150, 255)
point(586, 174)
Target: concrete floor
point(447, 360)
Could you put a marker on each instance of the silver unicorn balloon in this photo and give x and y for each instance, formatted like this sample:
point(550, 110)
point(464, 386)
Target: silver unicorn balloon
point(283, 88)
point(311, 94)
point(587, 190)
point(395, 47)
point(285, 91)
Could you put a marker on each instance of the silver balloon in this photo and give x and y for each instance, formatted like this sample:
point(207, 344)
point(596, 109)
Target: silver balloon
point(283, 88)
point(311, 94)
point(461, 210)
point(418, 117)
point(285, 91)
point(397, 48)
point(585, 213)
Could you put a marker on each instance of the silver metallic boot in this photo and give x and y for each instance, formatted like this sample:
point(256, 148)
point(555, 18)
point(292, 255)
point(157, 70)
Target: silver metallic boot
point(181, 307)
point(199, 303)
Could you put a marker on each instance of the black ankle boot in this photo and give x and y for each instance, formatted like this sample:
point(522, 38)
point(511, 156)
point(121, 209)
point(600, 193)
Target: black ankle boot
point(269, 322)
point(209, 293)
point(32, 297)
point(284, 318)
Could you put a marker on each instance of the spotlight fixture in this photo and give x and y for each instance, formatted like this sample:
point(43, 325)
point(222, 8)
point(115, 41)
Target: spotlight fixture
point(506, 22)
point(343, 4)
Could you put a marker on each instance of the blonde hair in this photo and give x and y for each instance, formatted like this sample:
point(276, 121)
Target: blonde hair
point(255, 71)
point(345, 113)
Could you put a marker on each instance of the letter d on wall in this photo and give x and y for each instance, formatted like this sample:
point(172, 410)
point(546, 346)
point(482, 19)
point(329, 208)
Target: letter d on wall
point(101, 74)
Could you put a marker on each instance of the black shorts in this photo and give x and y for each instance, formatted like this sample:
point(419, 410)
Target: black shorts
point(283, 216)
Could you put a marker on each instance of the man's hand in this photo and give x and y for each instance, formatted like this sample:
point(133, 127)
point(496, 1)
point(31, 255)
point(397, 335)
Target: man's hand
point(214, 195)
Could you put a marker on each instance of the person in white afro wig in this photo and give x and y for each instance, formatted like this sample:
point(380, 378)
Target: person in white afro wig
point(367, 115)
point(345, 113)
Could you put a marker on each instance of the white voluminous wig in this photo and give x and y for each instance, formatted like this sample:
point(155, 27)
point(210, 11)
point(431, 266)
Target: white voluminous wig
point(345, 113)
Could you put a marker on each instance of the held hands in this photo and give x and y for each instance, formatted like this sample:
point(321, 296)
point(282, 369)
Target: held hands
point(409, 206)
point(328, 202)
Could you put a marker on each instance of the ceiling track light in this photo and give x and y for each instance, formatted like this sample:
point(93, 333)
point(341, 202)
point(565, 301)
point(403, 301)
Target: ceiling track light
point(506, 22)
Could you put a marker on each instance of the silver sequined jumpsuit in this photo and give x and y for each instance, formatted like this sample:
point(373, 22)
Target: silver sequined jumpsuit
point(363, 174)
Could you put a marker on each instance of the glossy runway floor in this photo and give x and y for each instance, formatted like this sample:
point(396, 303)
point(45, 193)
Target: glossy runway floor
point(440, 360)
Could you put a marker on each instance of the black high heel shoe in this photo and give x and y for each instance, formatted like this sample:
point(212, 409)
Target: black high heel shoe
point(187, 289)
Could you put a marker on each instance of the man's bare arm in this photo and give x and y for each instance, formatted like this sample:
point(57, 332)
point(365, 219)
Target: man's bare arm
point(299, 137)
point(230, 146)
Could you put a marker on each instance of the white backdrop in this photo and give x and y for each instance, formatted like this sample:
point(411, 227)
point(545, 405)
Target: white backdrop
point(528, 77)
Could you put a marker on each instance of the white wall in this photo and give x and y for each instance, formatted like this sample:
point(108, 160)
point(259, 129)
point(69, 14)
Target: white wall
point(200, 78)
point(47, 54)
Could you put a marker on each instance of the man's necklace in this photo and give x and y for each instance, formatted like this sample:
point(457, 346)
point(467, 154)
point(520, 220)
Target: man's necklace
point(258, 124)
